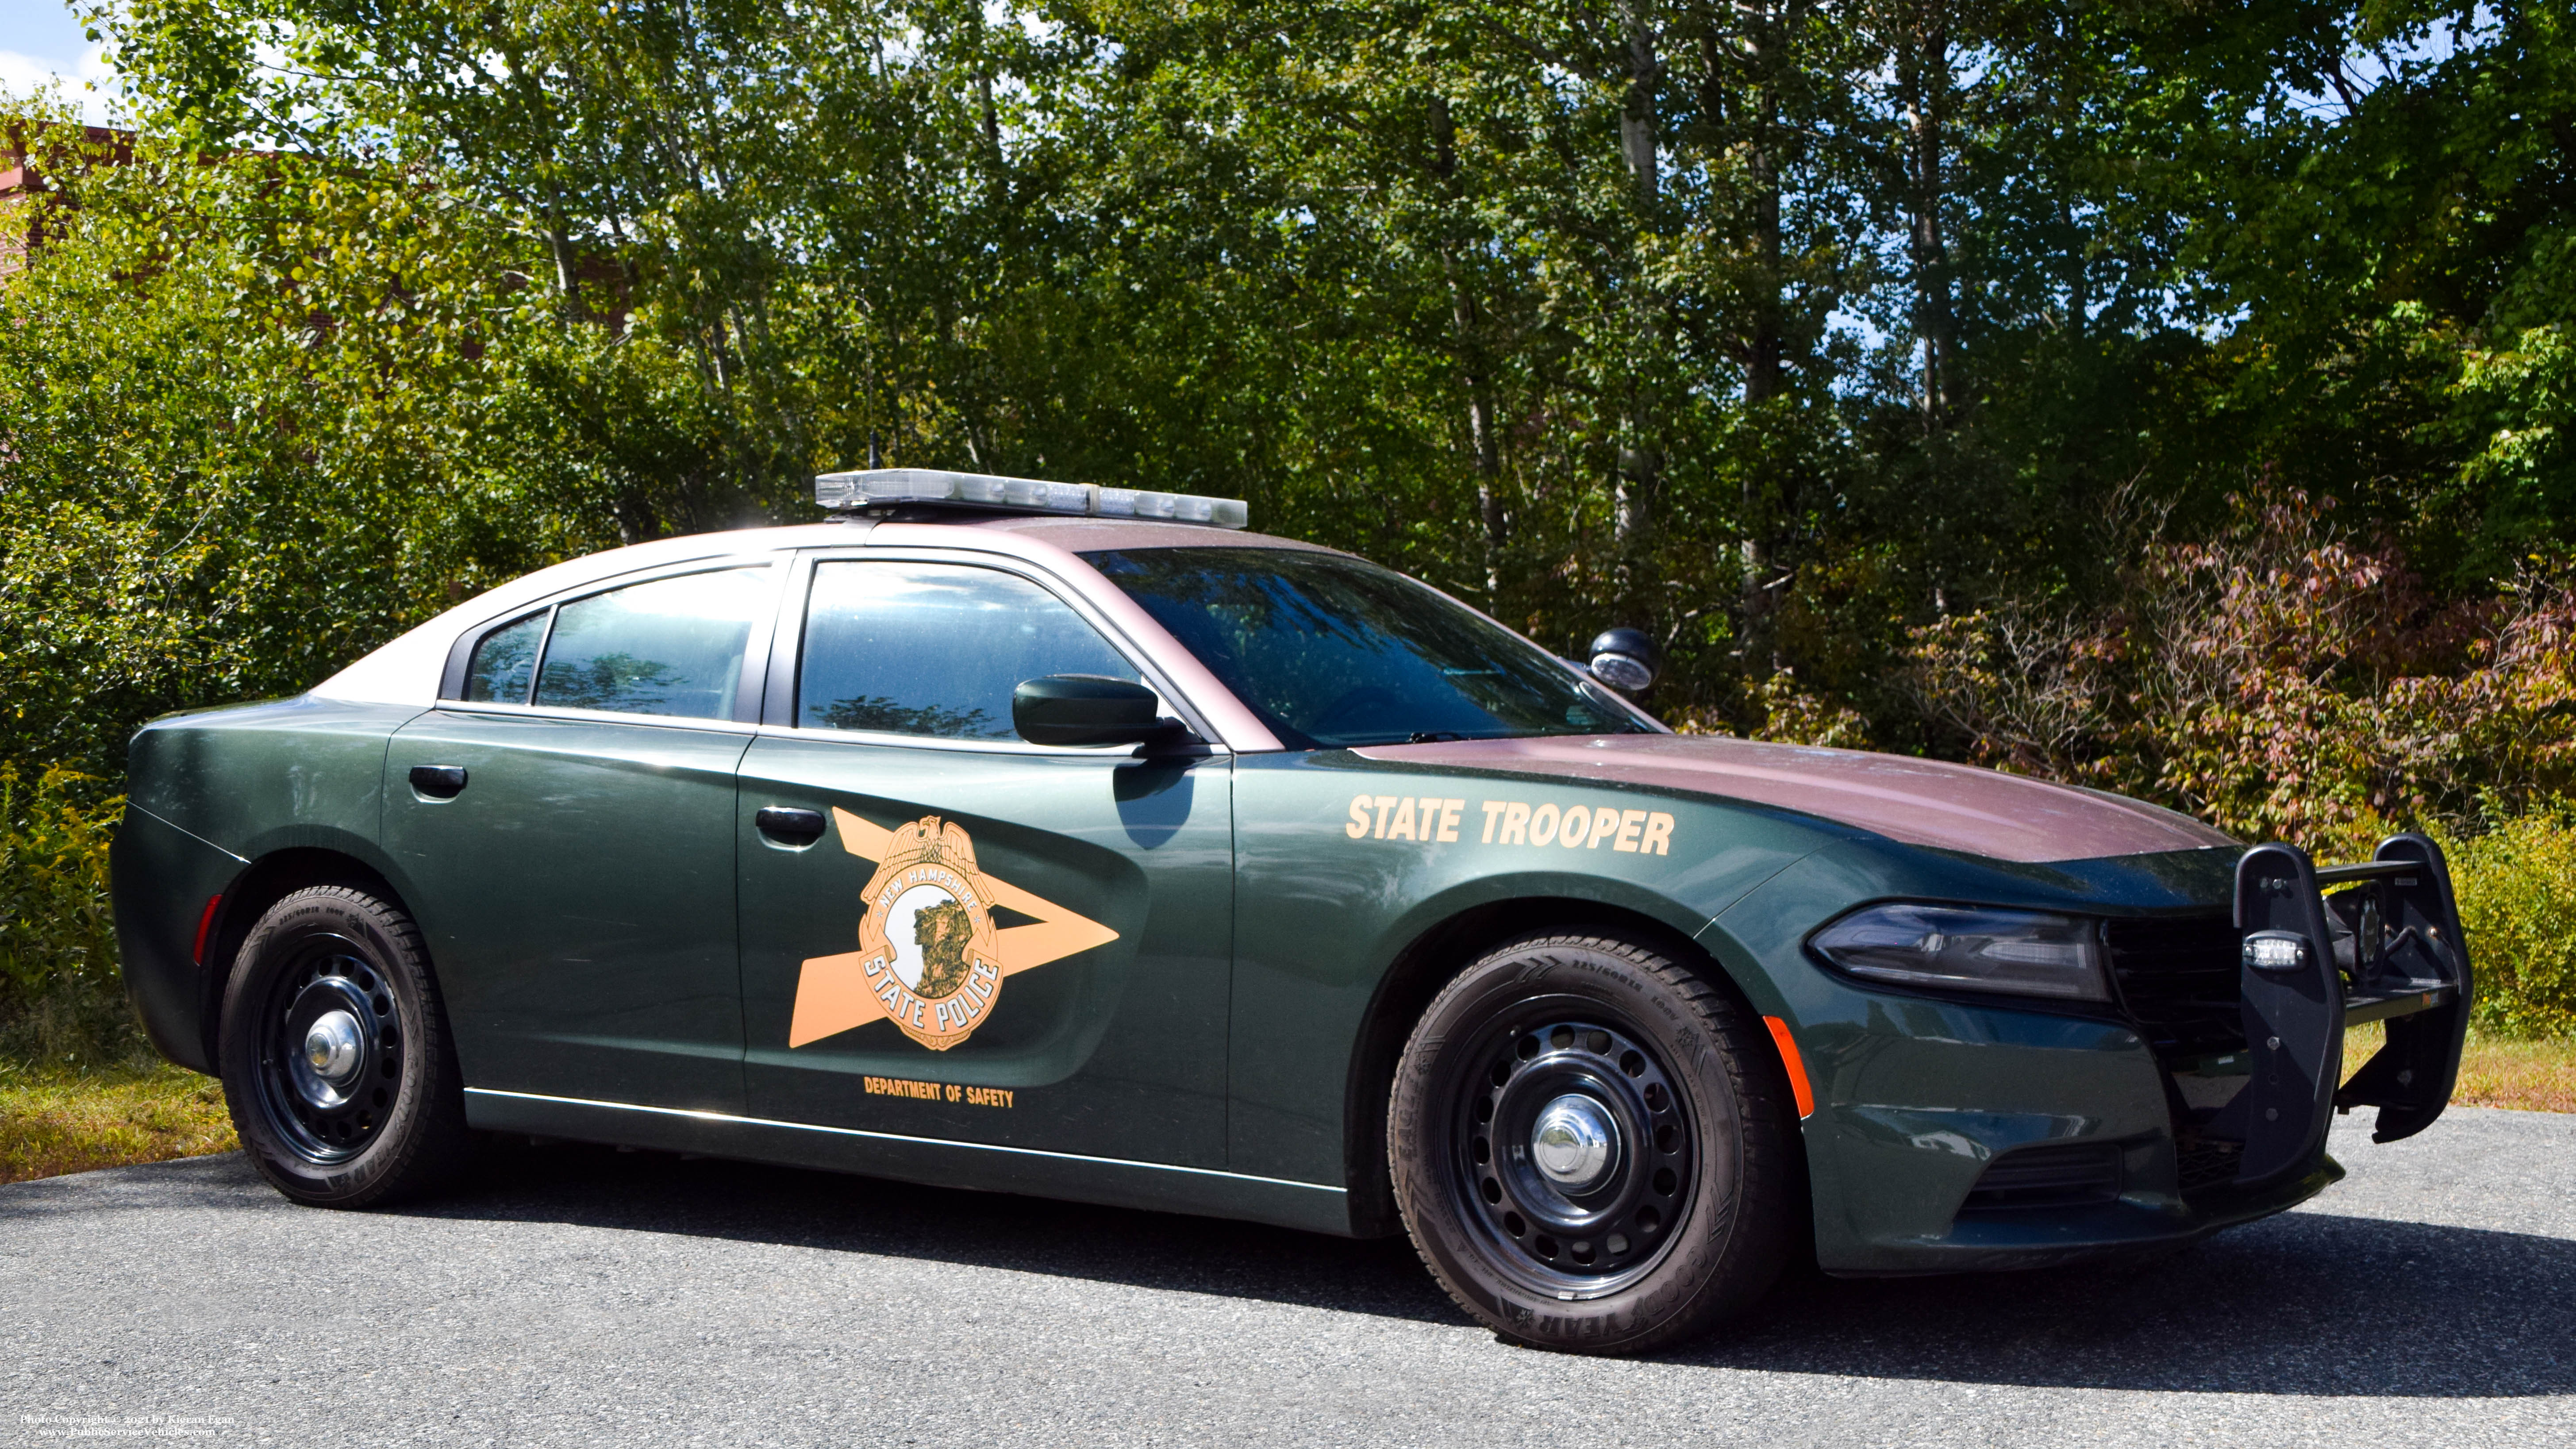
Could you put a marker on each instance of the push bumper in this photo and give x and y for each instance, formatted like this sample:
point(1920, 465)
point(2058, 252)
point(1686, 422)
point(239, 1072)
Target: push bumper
point(2319, 949)
point(2384, 946)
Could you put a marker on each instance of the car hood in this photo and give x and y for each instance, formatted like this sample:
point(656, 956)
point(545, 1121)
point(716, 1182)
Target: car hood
point(1921, 802)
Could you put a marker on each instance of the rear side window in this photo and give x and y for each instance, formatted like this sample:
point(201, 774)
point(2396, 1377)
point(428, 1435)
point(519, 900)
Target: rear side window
point(673, 646)
point(934, 649)
point(505, 662)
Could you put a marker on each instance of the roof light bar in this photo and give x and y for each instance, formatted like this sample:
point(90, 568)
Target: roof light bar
point(887, 487)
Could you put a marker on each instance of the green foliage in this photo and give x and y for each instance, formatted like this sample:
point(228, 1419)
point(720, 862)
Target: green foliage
point(60, 998)
point(1844, 348)
point(2517, 891)
point(1779, 329)
point(254, 425)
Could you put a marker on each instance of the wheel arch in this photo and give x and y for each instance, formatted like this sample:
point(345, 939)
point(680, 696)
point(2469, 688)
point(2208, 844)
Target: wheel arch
point(1430, 961)
point(261, 884)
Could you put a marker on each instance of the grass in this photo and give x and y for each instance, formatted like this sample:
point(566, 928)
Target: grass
point(2527, 1076)
point(2532, 1076)
point(55, 1121)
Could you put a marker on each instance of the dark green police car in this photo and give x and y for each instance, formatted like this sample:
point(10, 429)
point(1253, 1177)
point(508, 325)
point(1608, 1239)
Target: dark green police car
point(1066, 840)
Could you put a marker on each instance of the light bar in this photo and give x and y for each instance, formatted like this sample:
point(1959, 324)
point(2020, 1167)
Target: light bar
point(886, 487)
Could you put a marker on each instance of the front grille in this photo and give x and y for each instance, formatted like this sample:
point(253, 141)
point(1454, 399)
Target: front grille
point(2207, 1162)
point(2179, 979)
point(2068, 1174)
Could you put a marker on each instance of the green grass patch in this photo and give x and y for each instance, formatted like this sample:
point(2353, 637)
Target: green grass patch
point(54, 1120)
point(2525, 1075)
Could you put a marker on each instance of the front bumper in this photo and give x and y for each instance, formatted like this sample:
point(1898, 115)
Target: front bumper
point(1958, 1133)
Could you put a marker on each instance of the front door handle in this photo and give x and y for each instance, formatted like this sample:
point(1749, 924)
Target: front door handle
point(438, 782)
point(790, 826)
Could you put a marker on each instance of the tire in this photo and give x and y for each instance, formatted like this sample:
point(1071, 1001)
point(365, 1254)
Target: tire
point(335, 1055)
point(1664, 1199)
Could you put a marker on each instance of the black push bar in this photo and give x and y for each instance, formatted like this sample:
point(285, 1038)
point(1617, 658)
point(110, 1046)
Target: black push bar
point(2385, 947)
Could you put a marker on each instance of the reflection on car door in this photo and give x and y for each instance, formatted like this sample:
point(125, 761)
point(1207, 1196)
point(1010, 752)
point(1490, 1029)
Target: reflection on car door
point(987, 941)
point(578, 890)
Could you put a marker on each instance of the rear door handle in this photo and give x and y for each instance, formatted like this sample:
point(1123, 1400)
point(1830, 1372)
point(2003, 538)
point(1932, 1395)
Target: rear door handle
point(790, 826)
point(438, 782)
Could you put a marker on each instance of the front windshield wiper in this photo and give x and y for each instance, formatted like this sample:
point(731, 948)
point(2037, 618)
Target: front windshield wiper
point(1418, 737)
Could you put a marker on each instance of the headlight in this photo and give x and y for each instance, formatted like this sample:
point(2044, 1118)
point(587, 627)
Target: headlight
point(1967, 948)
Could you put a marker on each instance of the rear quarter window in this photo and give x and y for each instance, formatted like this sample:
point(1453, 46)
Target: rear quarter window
point(671, 646)
point(505, 662)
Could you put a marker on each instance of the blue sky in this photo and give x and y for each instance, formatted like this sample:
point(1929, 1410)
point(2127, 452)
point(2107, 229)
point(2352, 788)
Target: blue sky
point(39, 41)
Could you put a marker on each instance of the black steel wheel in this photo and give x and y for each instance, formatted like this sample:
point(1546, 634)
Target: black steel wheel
point(334, 1055)
point(1590, 1148)
point(1574, 1151)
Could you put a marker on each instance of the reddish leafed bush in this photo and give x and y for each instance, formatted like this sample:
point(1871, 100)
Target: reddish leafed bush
point(2282, 680)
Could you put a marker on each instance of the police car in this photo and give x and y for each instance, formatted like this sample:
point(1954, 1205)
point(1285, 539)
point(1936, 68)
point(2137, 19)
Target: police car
point(1073, 841)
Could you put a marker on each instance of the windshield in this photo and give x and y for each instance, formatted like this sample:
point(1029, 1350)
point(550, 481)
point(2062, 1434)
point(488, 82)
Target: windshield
point(1332, 652)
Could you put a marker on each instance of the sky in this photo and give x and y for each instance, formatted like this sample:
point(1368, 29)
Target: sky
point(41, 42)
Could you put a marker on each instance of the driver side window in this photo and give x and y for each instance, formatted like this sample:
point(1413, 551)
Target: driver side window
point(934, 649)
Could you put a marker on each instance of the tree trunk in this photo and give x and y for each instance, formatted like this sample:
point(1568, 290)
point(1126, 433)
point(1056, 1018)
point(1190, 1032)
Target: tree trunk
point(1925, 73)
point(1467, 337)
point(1480, 433)
point(1766, 495)
point(1639, 473)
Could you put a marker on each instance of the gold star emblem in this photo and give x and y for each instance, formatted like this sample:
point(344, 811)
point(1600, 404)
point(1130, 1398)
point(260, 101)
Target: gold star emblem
point(929, 957)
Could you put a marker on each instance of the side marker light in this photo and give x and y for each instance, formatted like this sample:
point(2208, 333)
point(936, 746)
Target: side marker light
point(1795, 1064)
point(205, 923)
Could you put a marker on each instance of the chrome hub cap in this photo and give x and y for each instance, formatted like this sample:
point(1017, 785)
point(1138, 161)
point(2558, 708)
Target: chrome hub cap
point(1574, 1141)
point(331, 1046)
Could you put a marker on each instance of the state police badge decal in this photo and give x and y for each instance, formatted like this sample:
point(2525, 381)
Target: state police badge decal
point(930, 959)
point(927, 938)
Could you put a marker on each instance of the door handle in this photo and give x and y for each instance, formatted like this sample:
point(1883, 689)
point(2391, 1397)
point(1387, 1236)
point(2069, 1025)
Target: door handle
point(438, 782)
point(790, 826)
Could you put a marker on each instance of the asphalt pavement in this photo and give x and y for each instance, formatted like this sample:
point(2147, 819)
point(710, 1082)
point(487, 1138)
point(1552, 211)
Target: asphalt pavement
point(576, 1295)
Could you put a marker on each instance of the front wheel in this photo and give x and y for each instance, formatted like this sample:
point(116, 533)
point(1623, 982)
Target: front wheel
point(1589, 1147)
point(334, 1053)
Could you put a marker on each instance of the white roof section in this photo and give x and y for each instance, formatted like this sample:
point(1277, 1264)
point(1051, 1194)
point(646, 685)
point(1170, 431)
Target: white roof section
point(408, 670)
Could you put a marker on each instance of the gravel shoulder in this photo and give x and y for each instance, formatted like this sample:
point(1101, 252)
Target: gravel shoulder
point(581, 1296)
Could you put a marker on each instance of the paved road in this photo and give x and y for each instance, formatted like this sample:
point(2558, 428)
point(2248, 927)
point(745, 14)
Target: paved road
point(581, 1296)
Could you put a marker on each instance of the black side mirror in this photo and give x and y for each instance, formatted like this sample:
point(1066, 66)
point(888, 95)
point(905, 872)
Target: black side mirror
point(1625, 659)
point(1088, 709)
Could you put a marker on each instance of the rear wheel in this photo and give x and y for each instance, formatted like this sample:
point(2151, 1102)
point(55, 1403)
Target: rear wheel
point(1589, 1147)
point(334, 1053)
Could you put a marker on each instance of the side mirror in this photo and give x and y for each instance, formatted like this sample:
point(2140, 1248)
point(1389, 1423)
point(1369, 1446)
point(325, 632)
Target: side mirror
point(1625, 659)
point(1087, 709)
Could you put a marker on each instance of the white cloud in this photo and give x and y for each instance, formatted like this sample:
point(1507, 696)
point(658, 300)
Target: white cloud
point(85, 82)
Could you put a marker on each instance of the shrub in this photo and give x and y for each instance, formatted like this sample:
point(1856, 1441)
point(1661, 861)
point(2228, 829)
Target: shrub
point(1790, 714)
point(2282, 681)
point(61, 999)
point(2286, 682)
point(2517, 890)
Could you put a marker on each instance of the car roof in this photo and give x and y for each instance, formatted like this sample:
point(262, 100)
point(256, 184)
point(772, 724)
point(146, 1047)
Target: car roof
point(395, 673)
